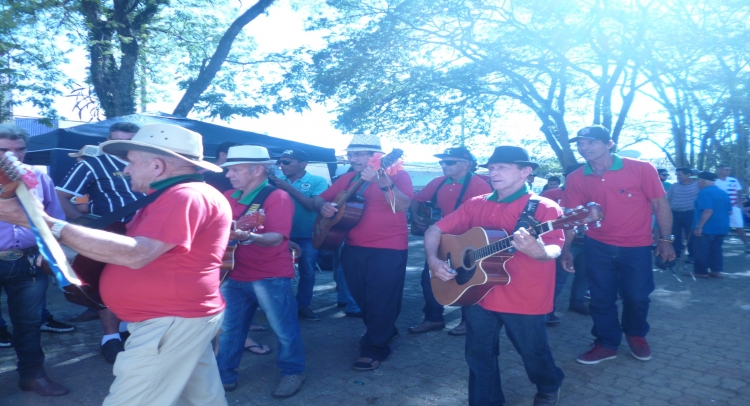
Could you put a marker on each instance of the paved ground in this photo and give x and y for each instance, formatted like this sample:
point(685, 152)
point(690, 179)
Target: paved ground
point(699, 336)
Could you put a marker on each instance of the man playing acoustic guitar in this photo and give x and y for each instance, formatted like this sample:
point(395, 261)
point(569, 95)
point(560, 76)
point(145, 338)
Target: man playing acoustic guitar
point(374, 256)
point(446, 193)
point(520, 306)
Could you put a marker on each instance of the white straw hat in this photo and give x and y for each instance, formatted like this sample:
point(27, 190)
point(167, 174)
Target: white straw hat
point(163, 139)
point(363, 142)
point(247, 154)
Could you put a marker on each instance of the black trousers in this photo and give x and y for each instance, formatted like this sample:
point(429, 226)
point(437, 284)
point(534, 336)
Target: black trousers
point(375, 277)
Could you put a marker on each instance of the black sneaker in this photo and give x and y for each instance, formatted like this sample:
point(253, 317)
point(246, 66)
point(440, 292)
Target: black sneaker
point(552, 318)
point(6, 338)
point(306, 314)
point(54, 326)
point(547, 399)
point(111, 348)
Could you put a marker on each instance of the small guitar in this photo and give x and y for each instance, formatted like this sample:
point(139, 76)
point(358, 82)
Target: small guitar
point(249, 222)
point(478, 256)
point(428, 214)
point(329, 232)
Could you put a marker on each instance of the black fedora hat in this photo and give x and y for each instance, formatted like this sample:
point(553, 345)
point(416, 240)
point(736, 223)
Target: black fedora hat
point(507, 154)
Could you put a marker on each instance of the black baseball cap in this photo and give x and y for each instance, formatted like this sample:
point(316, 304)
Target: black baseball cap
point(662, 170)
point(297, 154)
point(456, 153)
point(594, 132)
point(710, 176)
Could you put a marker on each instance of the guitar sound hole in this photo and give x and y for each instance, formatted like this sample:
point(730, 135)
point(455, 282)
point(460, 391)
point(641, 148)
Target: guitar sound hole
point(463, 275)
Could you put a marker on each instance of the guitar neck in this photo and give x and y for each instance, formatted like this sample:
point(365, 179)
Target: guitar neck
point(504, 243)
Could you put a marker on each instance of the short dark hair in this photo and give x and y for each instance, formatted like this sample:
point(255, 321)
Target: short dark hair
point(724, 166)
point(684, 170)
point(224, 147)
point(124, 126)
point(13, 132)
point(553, 179)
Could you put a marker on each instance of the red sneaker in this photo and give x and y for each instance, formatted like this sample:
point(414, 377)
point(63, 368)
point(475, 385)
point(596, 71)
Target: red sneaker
point(596, 354)
point(639, 347)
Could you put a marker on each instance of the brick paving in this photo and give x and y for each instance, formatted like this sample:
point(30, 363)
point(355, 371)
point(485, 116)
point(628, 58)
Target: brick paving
point(699, 335)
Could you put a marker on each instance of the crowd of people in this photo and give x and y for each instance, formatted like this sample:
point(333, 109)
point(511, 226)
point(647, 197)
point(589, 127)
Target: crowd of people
point(175, 327)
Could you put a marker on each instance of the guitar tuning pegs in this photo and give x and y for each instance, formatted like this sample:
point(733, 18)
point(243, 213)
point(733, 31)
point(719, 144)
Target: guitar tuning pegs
point(598, 224)
point(589, 204)
point(579, 207)
point(585, 227)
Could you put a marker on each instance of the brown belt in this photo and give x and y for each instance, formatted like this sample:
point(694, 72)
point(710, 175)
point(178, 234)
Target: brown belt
point(12, 255)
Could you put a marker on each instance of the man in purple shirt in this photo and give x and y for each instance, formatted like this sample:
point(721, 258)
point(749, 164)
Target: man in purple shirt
point(23, 282)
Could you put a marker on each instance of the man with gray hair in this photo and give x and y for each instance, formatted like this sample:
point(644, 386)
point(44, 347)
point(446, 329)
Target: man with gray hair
point(163, 275)
point(22, 280)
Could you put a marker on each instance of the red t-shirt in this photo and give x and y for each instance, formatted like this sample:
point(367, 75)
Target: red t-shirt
point(625, 193)
point(253, 262)
point(379, 226)
point(448, 193)
point(532, 283)
point(554, 194)
point(184, 281)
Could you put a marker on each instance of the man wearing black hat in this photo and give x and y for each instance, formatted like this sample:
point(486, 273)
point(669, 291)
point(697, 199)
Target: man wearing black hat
point(617, 255)
point(302, 186)
point(712, 210)
point(520, 306)
point(446, 193)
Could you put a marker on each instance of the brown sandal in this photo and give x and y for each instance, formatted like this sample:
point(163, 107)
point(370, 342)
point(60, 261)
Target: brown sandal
point(366, 364)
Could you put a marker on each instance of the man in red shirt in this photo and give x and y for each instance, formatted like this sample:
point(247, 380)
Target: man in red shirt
point(447, 192)
point(375, 251)
point(520, 306)
point(263, 271)
point(618, 255)
point(163, 275)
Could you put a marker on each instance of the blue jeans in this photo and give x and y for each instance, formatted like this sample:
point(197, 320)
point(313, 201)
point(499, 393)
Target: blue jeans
point(624, 270)
point(45, 315)
point(433, 311)
point(682, 222)
point(528, 334)
point(275, 297)
point(306, 267)
point(26, 288)
point(342, 290)
point(708, 253)
point(580, 285)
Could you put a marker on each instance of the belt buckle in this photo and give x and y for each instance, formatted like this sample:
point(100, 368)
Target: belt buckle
point(10, 255)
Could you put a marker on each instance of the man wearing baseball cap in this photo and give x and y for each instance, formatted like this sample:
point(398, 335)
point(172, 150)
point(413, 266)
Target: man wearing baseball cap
point(713, 207)
point(618, 255)
point(302, 186)
point(446, 193)
point(163, 275)
point(521, 306)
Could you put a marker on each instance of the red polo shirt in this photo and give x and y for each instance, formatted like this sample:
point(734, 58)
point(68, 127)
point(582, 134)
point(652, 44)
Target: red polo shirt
point(625, 192)
point(532, 283)
point(379, 226)
point(554, 194)
point(448, 193)
point(184, 281)
point(253, 262)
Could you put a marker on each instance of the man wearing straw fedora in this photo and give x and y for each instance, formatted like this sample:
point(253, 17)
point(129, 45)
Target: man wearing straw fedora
point(521, 306)
point(263, 271)
point(163, 275)
point(375, 251)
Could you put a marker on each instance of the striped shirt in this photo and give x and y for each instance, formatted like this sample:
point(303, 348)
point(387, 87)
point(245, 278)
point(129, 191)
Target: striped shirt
point(682, 197)
point(730, 185)
point(101, 178)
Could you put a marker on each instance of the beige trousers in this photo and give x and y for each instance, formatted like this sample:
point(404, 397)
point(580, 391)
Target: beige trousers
point(168, 361)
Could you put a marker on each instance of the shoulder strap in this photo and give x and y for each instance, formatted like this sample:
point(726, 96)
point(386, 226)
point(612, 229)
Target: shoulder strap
point(110, 218)
point(260, 198)
point(463, 190)
point(434, 195)
point(527, 219)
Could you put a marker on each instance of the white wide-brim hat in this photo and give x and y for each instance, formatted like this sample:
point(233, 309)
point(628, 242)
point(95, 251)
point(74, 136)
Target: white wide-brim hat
point(247, 154)
point(364, 142)
point(163, 139)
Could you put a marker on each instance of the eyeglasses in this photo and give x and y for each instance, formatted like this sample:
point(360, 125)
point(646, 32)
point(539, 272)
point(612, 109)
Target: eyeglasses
point(285, 162)
point(351, 155)
point(448, 163)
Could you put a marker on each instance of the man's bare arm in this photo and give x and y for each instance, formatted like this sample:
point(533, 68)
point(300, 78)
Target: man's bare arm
point(70, 210)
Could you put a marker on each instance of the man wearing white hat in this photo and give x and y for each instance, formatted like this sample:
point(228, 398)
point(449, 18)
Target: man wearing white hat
point(163, 275)
point(375, 251)
point(263, 271)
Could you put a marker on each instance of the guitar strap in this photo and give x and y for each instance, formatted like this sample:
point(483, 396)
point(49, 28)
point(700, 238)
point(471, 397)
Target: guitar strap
point(259, 199)
point(526, 219)
point(460, 195)
point(361, 190)
point(110, 218)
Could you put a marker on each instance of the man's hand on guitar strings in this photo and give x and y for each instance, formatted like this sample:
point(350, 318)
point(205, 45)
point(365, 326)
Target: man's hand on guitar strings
point(529, 245)
point(440, 269)
point(328, 210)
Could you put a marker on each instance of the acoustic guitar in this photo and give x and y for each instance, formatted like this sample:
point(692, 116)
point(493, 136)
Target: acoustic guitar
point(428, 214)
point(249, 222)
point(478, 256)
point(329, 232)
point(74, 288)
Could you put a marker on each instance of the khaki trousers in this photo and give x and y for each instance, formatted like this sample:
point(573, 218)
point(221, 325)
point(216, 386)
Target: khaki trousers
point(168, 361)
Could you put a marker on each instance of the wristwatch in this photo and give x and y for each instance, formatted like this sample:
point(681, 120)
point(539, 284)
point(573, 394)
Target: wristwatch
point(248, 241)
point(666, 238)
point(57, 228)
